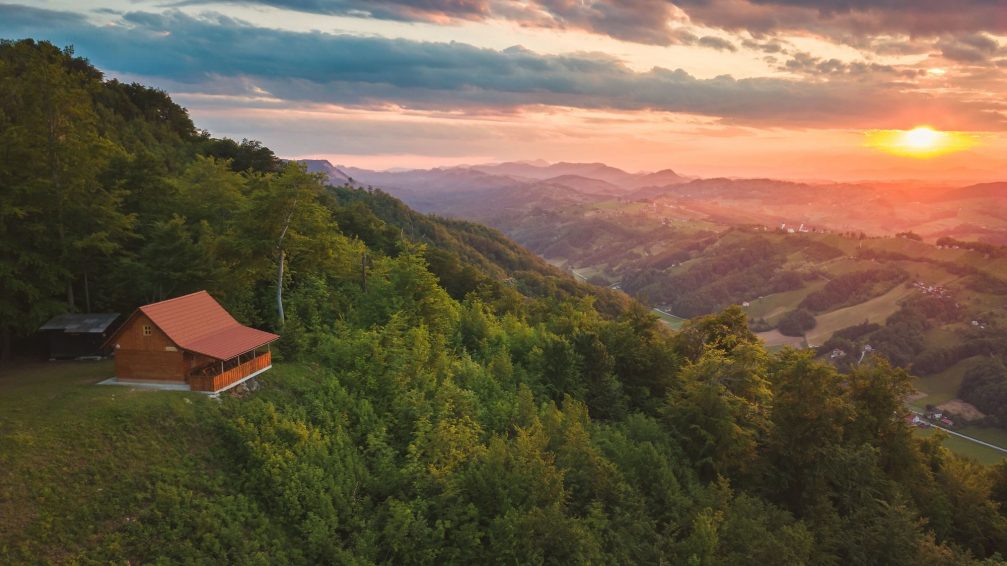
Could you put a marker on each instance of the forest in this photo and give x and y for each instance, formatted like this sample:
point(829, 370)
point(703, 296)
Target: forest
point(444, 396)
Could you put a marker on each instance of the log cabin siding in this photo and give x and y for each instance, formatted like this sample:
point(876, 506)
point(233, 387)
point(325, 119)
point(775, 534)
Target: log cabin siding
point(131, 336)
point(150, 366)
point(189, 340)
point(147, 357)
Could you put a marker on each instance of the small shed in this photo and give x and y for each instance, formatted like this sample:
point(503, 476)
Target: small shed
point(71, 336)
point(191, 341)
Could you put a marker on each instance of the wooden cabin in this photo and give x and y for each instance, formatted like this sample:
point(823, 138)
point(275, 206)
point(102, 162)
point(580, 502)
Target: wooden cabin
point(77, 335)
point(189, 340)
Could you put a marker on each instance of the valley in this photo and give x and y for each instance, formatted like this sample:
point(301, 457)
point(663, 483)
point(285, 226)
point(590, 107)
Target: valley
point(713, 283)
point(893, 260)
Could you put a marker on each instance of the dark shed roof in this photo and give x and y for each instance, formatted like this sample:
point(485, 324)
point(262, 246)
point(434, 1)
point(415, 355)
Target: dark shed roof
point(89, 323)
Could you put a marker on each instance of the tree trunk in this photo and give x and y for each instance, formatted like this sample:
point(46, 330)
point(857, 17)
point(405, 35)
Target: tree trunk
point(5, 344)
point(87, 294)
point(279, 290)
point(283, 255)
point(69, 295)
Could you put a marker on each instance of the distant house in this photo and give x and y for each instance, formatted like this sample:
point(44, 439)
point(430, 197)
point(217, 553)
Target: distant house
point(72, 336)
point(189, 340)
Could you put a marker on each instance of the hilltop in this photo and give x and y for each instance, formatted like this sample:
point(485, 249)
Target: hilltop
point(440, 394)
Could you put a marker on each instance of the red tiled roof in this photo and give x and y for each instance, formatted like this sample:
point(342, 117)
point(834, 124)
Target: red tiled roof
point(198, 323)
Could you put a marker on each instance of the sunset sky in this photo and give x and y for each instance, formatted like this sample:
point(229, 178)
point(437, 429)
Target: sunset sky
point(783, 88)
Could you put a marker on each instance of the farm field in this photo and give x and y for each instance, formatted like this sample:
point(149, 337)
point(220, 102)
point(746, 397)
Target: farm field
point(876, 310)
point(942, 387)
point(776, 305)
point(982, 454)
point(671, 320)
point(774, 340)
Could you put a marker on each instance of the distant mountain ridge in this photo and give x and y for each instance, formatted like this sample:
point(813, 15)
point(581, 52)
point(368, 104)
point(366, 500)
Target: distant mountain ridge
point(514, 171)
point(335, 175)
point(509, 195)
point(996, 190)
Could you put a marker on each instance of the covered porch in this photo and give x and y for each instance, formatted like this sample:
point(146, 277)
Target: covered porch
point(219, 375)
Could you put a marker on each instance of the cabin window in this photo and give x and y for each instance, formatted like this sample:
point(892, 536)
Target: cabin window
point(147, 330)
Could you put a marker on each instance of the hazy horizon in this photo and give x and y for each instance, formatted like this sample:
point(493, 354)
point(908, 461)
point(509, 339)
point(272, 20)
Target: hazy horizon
point(947, 181)
point(737, 88)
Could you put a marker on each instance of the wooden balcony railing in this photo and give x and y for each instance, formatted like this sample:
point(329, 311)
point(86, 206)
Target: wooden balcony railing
point(215, 381)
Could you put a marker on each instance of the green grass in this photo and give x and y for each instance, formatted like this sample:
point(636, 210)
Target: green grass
point(779, 303)
point(900, 245)
point(844, 265)
point(876, 310)
point(982, 454)
point(942, 387)
point(927, 272)
point(76, 454)
point(80, 463)
point(671, 320)
point(997, 436)
point(941, 338)
point(776, 341)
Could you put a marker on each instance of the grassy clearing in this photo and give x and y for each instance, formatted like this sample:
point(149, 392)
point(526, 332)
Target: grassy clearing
point(86, 466)
point(777, 304)
point(927, 272)
point(671, 320)
point(875, 310)
point(942, 387)
point(901, 245)
point(997, 436)
point(775, 341)
point(75, 455)
point(942, 338)
point(982, 454)
point(844, 265)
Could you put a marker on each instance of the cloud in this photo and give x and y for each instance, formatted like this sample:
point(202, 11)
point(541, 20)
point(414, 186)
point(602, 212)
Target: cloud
point(836, 18)
point(647, 20)
point(20, 18)
point(970, 48)
point(806, 63)
point(220, 55)
point(654, 22)
point(716, 43)
point(402, 10)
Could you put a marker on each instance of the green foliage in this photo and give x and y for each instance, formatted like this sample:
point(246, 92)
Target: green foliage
point(852, 288)
point(454, 399)
point(732, 274)
point(796, 322)
point(985, 386)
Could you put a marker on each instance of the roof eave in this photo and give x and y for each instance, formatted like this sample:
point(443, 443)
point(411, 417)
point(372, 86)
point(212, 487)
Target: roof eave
point(218, 358)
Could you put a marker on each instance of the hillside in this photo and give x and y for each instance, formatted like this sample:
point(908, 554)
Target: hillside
point(507, 190)
point(440, 395)
point(832, 255)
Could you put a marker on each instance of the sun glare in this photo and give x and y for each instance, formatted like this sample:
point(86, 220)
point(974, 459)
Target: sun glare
point(921, 141)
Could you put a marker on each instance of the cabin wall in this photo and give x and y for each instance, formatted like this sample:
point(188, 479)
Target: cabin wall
point(194, 361)
point(153, 357)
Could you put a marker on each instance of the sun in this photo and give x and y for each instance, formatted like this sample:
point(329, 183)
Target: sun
point(919, 142)
point(922, 138)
